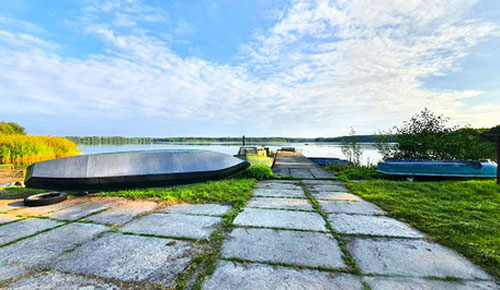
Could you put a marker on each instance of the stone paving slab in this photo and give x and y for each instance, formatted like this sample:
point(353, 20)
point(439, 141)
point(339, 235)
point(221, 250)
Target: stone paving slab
point(81, 210)
point(130, 258)
point(10, 204)
point(414, 258)
point(280, 219)
point(7, 218)
point(174, 225)
point(279, 193)
point(281, 203)
point(56, 280)
point(322, 182)
point(284, 181)
point(279, 246)
point(14, 231)
point(301, 173)
point(199, 209)
point(321, 173)
point(371, 225)
point(232, 275)
point(123, 212)
point(328, 187)
point(335, 196)
point(278, 186)
point(8, 272)
point(41, 249)
point(383, 283)
point(351, 207)
point(43, 210)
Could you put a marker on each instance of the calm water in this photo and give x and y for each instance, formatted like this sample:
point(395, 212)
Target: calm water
point(370, 154)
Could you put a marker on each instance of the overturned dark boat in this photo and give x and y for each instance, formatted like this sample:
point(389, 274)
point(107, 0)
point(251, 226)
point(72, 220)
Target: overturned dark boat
point(132, 169)
point(439, 168)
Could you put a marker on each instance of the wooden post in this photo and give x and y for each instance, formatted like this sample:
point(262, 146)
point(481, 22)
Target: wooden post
point(498, 159)
point(244, 141)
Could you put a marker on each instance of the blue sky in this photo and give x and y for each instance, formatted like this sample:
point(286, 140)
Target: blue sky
point(254, 67)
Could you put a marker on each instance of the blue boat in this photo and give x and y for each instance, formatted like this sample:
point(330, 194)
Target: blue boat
point(439, 168)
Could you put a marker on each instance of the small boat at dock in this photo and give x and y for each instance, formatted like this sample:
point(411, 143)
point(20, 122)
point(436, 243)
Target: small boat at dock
point(439, 168)
point(255, 155)
point(132, 169)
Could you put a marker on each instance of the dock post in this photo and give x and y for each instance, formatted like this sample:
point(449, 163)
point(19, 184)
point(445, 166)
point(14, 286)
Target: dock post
point(498, 159)
point(244, 141)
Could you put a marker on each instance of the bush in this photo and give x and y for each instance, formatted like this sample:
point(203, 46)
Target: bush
point(427, 136)
point(11, 129)
point(259, 172)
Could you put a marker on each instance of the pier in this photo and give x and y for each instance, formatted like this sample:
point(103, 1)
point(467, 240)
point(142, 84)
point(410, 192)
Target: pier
point(290, 163)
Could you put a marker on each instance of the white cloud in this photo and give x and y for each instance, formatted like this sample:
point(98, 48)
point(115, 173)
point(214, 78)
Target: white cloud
point(323, 67)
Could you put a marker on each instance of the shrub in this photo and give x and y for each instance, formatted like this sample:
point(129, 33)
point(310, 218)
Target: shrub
point(427, 136)
point(259, 172)
point(11, 129)
point(24, 148)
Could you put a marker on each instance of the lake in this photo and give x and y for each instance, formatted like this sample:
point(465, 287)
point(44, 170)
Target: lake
point(370, 153)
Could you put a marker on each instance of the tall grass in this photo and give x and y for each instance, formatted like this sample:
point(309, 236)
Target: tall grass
point(27, 149)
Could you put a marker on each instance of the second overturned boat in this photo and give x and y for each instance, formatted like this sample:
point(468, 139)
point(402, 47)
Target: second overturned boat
point(439, 168)
point(132, 169)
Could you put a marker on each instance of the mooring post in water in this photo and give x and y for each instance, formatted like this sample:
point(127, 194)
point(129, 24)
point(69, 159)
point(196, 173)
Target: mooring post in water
point(498, 159)
point(244, 141)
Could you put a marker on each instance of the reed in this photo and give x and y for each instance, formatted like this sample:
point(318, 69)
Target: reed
point(28, 149)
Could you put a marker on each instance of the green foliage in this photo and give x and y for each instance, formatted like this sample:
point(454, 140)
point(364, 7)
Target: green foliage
point(11, 129)
point(23, 148)
point(348, 172)
point(463, 215)
point(427, 136)
point(235, 190)
point(351, 149)
point(259, 172)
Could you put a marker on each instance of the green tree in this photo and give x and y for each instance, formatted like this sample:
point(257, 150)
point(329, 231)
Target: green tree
point(11, 129)
point(428, 136)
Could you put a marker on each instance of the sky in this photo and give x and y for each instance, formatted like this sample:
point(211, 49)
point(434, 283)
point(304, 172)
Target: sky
point(246, 67)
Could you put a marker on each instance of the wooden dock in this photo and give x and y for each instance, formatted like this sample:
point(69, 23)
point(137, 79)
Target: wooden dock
point(294, 164)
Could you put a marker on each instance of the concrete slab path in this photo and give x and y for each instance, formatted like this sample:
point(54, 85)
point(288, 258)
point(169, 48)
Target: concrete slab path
point(294, 234)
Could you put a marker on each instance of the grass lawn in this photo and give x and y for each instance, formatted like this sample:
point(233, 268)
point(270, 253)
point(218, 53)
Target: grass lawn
point(14, 192)
point(463, 215)
point(234, 190)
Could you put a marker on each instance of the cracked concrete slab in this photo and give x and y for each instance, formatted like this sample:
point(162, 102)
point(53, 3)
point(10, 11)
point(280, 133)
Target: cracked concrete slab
point(81, 210)
point(233, 275)
point(123, 212)
point(174, 225)
point(279, 193)
point(280, 219)
point(319, 172)
point(41, 249)
point(280, 246)
point(414, 258)
point(301, 173)
point(10, 271)
point(27, 227)
point(281, 203)
point(10, 204)
point(199, 209)
point(130, 258)
point(7, 218)
point(371, 225)
point(335, 196)
point(383, 283)
point(351, 207)
point(57, 280)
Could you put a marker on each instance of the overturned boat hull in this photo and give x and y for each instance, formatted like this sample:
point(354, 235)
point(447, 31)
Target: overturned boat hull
point(435, 168)
point(132, 169)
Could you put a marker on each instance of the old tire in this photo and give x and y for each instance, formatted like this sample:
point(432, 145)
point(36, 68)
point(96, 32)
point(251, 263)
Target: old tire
point(45, 198)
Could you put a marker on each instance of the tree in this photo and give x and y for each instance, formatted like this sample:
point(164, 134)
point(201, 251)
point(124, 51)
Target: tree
point(351, 149)
point(427, 136)
point(11, 129)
